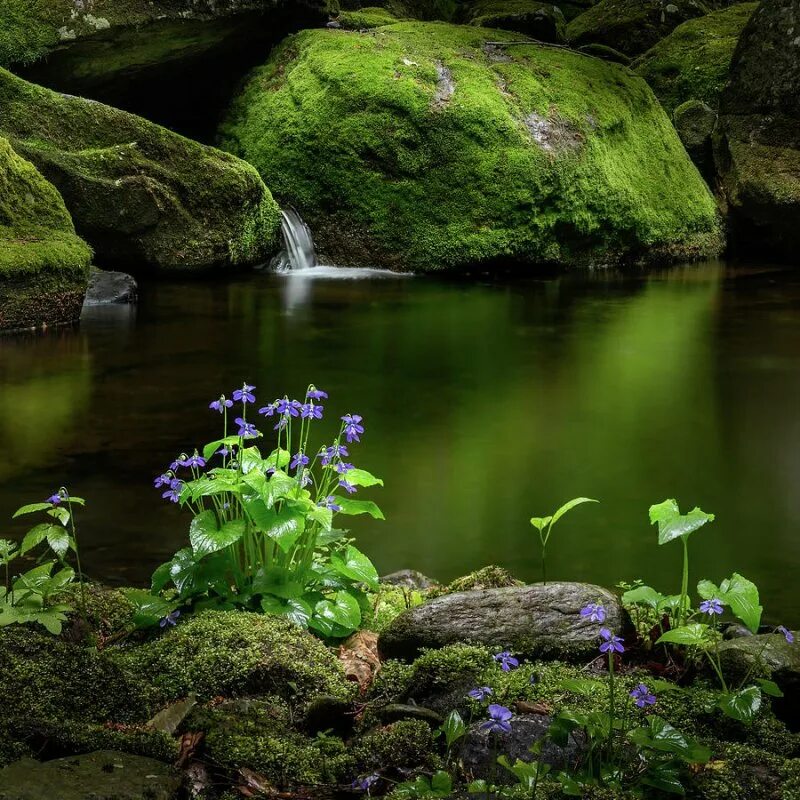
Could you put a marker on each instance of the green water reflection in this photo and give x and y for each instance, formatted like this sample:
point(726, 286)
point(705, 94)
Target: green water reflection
point(485, 403)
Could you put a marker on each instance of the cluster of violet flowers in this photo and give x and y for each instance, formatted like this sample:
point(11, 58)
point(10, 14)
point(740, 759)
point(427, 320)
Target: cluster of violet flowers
point(285, 411)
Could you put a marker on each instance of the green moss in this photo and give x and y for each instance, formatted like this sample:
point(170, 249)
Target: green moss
point(258, 735)
point(107, 612)
point(693, 62)
point(366, 18)
point(387, 603)
point(137, 192)
point(232, 653)
point(417, 147)
point(44, 266)
point(631, 26)
point(491, 577)
point(406, 746)
point(542, 21)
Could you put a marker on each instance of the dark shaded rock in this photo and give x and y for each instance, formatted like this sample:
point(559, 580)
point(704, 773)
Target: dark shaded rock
point(328, 713)
point(542, 21)
point(408, 579)
point(606, 53)
point(758, 148)
point(480, 749)
point(537, 621)
point(632, 26)
point(695, 122)
point(397, 711)
point(107, 286)
point(736, 631)
point(104, 775)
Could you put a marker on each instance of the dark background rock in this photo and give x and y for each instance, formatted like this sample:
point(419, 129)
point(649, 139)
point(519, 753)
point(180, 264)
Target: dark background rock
point(695, 121)
point(536, 621)
point(107, 286)
point(408, 579)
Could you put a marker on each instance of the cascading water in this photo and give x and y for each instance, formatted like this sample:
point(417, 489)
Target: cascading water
point(298, 245)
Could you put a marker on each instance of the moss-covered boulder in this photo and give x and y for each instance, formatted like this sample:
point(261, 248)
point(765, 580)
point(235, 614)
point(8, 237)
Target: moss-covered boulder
point(542, 21)
point(419, 146)
point(632, 26)
point(695, 122)
point(758, 148)
point(44, 266)
point(141, 195)
point(230, 653)
point(363, 19)
point(693, 62)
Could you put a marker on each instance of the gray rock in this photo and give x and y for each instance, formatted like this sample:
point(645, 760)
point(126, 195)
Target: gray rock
point(408, 579)
point(103, 775)
point(695, 122)
point(537, 621)
point(480, 747)
point(107, 286)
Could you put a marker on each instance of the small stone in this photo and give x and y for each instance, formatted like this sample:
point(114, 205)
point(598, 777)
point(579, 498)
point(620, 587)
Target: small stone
point(408, 579)
point(106, 286)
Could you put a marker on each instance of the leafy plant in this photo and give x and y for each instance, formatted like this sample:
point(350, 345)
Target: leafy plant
point(544, 525)
point(440, 784)
point(453, 729)
point(261, 535)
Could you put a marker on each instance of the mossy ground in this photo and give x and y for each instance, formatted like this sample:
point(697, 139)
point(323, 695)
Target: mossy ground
point(365, 18)
point(140, 194)
point(693, 62)
point(419, 147)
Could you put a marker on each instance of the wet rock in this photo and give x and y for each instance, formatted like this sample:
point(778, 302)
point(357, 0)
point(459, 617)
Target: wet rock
point(695, 122)
point(538, 621)
point(107, 286)
point(480, 747)
point(542, 21)
point(103, 775)
point(408, 579)
point(781, 659)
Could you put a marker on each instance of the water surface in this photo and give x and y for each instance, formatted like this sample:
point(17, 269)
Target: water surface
point(485, 403)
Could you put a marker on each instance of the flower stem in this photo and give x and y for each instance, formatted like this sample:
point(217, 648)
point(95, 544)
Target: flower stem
point(684, 582)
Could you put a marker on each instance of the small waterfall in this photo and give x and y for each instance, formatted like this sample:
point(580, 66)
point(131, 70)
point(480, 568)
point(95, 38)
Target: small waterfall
point(298, 245)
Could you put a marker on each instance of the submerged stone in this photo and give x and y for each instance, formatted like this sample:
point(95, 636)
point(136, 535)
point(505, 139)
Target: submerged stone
point(43, 264)
point(138, 193)
point(537, 621)
point(533, 155)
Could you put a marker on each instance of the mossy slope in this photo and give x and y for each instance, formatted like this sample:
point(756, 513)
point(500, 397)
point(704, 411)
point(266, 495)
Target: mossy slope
point(138, 193)
point(418, 146)
point(693, 62)
point(43, 264)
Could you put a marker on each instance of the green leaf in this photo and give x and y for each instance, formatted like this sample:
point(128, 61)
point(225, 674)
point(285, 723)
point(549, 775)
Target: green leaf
point(34, 580)
point(341, 612)
point(36, 535)
point(643, 596)
point(354, 507)
point(280, 582)
point(769, 687)
point(583, 686)
point(568, 506)
point(674, 525)
point(285, 526)
point(295, 609)
point(206, 538)
point(59, 540)
point(212, 447)
point(31, 508)
point(149, 609)
point(360, 477)
point(740, 594)
point(441, 784)
point(742, 705)
point(695, 634)
point(664, 778)
point(478, 787)
point(324, 516)
point(60, 513)
point(353, 564)
point(540, 523)
point(453, 728)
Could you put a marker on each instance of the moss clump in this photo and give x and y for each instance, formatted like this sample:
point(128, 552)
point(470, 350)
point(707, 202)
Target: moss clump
point(232, 653)
point(258, 735)
point(491, 577)
point(365, 18)
point(542, 21)
point(387, 603)
point(138, 193)
point(693, 62)
point(403, 747)
point(417, 146)
point(44, 266)
point(107, 612)
point(631, 26)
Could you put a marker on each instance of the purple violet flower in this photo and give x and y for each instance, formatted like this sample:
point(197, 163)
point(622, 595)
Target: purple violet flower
point(712, 606)
point(611, 643)
point(224, 451)
point(330, 503)
point(352, 427)
point(246, 429)
point(595, 612)
point(310, 411)
point(499, 720)
point(328, 454)
point(194, 461)
point(787, 634)
point(366, 783)
point(173, 494)
point(642, 696)
point(161, 480)
point(170, 619)
point(506, 660)
point(347, 486)
point(55, 499)
point(221, 404)
point(300, 459)
point(316, 394)
point(342, 467)
point(287, 407)
point(268, 410)
point(306, 479)
point(480, 693)
point(245, 394)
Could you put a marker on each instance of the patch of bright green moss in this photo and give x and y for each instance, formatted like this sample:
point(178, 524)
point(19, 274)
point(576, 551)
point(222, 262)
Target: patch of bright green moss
point(365, 18)
point(406, 746)
point(418, 146)
point(693, 62)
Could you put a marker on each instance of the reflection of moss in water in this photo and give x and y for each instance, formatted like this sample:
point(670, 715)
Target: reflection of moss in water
point(42, 390)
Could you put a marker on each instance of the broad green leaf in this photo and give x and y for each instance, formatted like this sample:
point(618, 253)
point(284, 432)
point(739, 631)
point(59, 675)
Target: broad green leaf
point(664, 778)
point(742, 705)
point(34, 580)
point(201, 533)
point(769, 687)
point(441, 783)
point(643, 596)
point(583, 686)
point(324, 516)
point(149, 609)
point(36, 535)
point(360, 477)
point(31, 508)
point(568, 506)
point(60, 513)
point(353, 564)
point(59, 581)
point(280, 582)
point(212, 447)
point(59, 540)
point(478, 787)
point(354, 507)
point(540, 523)
point(453, 728)
point(694, 635)
point(340, 612)
point(296, 609)
point(674, 525)
point(740, 594)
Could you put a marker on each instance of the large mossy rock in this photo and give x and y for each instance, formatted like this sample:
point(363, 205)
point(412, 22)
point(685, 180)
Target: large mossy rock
point(758, 149)
point(693, 62)
point(632, 26)
point(538, 621)
point(141, 195)
point(419, 146)
point(542, 21)
point(103, 775)
point(44, 266)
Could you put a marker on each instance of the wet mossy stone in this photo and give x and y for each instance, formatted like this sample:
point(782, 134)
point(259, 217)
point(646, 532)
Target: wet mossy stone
point(757, 151)
point(141, 195)
point(632, 26)
point(103, 775)
point(537, 621)
point(695, 122)
point(542, 21)
point(398, 749)
point(44, 266)
point(237, 653)
point(420, 146)
point(365, 18)
point(693, 62)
